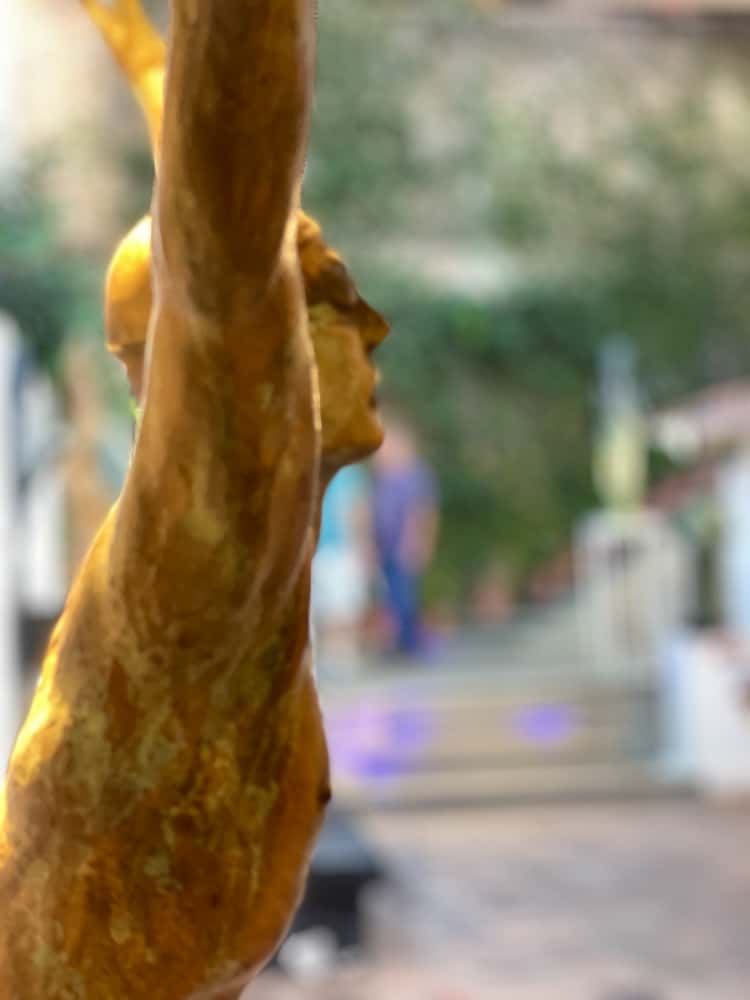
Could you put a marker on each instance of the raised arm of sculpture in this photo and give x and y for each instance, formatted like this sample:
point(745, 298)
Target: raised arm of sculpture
point(167, 785)
point(329, 290)
point(230, 386)
point(140, 52)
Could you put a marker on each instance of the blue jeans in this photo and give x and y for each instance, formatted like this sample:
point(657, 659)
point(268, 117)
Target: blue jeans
point(402, 592)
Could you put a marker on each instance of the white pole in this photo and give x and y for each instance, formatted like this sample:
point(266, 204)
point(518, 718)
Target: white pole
point(10, 680)
point(43, 561)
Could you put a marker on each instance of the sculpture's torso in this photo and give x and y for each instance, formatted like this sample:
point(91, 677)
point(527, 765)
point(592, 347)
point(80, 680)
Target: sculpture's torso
point(160, 809)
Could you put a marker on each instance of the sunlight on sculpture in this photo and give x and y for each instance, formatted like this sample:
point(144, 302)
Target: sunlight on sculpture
point(167, 786)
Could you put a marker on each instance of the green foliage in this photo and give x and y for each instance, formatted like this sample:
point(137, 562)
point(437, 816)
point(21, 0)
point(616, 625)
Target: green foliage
point(361, 139)
point(46, 289)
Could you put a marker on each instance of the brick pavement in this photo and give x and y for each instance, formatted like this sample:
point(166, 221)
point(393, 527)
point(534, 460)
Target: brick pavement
point(607, 902)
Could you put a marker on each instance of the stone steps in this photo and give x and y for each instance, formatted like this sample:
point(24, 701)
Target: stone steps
point(446, 738)
point(504, 786)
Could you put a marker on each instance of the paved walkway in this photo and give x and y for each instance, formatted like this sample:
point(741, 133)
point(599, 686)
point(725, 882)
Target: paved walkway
point(609, 902)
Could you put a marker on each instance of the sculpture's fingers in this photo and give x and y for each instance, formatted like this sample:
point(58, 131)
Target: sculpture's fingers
point(119, 15)
point(129, 10)
point(101, 14)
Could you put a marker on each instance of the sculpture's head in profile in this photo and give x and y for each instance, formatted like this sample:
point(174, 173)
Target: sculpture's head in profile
point(345, 330)
point(343, 327)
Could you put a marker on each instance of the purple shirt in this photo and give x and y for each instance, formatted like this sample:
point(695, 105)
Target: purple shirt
point(397, 493)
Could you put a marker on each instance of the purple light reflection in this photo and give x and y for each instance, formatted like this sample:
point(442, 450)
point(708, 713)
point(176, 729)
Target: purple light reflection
point(375, 742)
point(546, 725)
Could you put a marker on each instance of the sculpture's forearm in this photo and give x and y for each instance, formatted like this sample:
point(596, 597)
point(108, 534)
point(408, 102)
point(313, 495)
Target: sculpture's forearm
point(148, 87)
point(235, 131)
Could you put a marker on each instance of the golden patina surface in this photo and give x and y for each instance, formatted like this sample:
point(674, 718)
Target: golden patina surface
point(169, 780)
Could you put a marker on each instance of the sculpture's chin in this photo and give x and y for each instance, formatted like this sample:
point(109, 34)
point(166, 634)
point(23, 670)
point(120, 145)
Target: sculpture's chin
point(338, 454)
point(352, 440)
point(375, 433)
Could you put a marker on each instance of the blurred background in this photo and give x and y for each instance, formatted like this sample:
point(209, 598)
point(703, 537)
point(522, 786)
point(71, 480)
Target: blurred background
point(532, 610)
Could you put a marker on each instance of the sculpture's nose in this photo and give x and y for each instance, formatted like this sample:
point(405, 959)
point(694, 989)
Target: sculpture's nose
point(373, 327)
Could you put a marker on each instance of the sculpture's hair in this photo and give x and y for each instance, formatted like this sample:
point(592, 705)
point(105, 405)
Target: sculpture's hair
point(128, 295)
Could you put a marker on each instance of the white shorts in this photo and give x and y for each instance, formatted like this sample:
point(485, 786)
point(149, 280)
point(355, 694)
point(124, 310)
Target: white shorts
point(339, 587)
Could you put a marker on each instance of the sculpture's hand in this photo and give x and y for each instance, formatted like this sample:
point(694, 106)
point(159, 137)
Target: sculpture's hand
point(139, 50)
point(124, 25)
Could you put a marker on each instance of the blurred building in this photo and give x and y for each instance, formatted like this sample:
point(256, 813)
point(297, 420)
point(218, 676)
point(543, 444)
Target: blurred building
point(709, 434)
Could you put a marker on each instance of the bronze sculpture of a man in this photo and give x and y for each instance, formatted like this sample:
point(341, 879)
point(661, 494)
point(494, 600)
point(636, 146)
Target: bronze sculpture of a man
point(169, 780)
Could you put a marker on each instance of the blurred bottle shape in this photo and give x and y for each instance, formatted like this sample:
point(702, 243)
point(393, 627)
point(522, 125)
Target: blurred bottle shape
point(633, 572)
point(620, 450)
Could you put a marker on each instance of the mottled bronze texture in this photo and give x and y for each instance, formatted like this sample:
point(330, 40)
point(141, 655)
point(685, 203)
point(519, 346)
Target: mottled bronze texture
point(168, 783)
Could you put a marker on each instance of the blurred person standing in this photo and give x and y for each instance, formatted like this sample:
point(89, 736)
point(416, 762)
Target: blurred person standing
point(341, 570)
point(405, 522)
